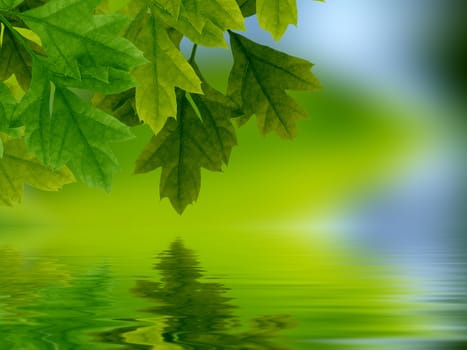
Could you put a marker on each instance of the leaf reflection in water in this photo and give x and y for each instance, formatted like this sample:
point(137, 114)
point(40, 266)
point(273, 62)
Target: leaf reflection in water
point(189, 313)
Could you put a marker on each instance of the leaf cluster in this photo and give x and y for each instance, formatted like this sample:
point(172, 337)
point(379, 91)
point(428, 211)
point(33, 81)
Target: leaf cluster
point(54, 54)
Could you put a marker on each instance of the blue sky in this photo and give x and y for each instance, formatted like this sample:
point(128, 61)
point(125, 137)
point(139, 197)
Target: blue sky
point(381, 42)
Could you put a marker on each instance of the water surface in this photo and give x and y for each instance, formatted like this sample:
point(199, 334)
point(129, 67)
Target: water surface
point(269, 293)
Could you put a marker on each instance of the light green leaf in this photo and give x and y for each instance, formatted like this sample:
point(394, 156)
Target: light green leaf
point(276, 15)
point(9, 4)
point(61, 129)
point(181, 149)
point(81, 45)
point(115, 5)
point(156, 81)
point(18, 167)
point(172, 7)
point(258, 81)
point(203, 22)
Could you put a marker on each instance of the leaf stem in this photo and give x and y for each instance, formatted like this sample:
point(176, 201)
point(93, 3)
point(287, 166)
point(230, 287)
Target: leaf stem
point(193, 54)
point(15, 33)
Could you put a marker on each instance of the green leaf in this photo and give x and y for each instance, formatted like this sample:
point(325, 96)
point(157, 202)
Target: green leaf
point(62, 129)
point(30, 4)
point(105, 80)
point(7, 107)
point(17, 167)
point(122, 106)
point(82, 46)
point(202, 136)
point(83, 51)
point(81, 137)
point(115, 5)
point(203, 22)
point(258, 81)
point(14, 59)
point(167, 69)
point(216, 111)
point(181, 149)
point(34, 110)
point(276, 15)
point(55, 49)
point(9, 4)
point(248, 7)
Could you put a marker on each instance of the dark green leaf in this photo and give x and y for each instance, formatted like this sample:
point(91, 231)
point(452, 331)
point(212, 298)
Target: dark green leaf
point(248, 7)
point(14, 59)
point(122, 106)
point(181, 149)
point(216, 111)
point(7, 107)
point(258, 81)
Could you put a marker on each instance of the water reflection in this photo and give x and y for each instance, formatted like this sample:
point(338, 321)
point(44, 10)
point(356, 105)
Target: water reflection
point(74, 303)
point(42, 306)
point(20, 281)
point(190, 313)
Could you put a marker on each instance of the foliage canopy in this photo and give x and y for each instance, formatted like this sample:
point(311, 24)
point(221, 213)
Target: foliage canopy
point(126, 54)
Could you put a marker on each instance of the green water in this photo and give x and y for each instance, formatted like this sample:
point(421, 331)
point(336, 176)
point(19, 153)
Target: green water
point(274, 294)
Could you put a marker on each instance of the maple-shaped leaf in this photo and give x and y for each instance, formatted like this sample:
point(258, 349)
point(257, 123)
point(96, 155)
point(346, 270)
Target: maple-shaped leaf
point(82, 50)
point(203, 22)
point(259, 80)
point(18, 167)
point(61, 129)
point(202, 136)
point(248, 7)
point(83, 47)
point(276, 15)
point(167, 69)
point(180, 150)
